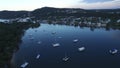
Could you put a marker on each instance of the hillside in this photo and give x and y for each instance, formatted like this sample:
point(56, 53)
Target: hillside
point(45, 12)
point(12, 14)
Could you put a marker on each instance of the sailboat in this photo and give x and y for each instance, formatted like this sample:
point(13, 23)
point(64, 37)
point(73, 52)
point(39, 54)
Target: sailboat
point(66, 58)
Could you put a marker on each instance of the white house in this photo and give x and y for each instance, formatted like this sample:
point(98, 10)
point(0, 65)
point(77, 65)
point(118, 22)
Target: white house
point(24, 19)
point(4, 20)
point(98, 24)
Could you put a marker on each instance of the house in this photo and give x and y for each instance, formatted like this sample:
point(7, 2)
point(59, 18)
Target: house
point(25, 20)
point(103, 25)
point(98, 24)
point(4, 20)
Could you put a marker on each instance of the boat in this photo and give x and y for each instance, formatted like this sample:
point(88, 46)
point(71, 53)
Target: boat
point(65, 58)
point(56, 45)
point(75, 40)
point(24, 65)
point(38, 56)
point(81, 48)
point(114, 51)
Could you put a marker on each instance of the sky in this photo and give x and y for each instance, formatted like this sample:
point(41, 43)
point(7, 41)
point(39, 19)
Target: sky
point(34, 4)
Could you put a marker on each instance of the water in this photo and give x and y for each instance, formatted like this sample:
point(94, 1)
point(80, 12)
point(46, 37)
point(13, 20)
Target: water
point(97, 44)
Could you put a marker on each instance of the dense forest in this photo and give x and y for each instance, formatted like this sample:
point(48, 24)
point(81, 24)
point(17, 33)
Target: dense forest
point(10, 38)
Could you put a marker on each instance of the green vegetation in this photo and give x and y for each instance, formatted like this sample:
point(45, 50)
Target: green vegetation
point(114, 25)
point(10, 37)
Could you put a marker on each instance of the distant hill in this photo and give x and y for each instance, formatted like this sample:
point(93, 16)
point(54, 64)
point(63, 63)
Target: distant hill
point(77, 12)
point(12, 14)
point(45, 12)
point(50, 11)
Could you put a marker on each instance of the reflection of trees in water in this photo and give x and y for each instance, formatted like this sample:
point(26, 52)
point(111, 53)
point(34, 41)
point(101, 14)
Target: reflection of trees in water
point(93, 26)
point(10, 37)
point(107, 27)
point(113, 25)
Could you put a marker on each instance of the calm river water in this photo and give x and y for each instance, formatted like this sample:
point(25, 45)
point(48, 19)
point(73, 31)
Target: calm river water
point(39, 41)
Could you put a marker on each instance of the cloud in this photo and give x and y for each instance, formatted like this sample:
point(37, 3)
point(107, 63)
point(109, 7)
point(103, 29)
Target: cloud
point(94, 1)
point(33, 4)
point(98, 5)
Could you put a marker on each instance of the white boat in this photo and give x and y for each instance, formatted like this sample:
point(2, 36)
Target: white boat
point(81, 48)
point(56, 45)
point(114, 51)
point(38, 56)
point(24, 65)
point(75, 40)
point(65, 58)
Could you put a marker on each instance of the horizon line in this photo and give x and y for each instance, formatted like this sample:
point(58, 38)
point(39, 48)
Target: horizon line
point(58, 8)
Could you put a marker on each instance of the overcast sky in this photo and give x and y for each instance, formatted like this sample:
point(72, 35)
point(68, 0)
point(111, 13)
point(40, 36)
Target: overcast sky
point(33, 4)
